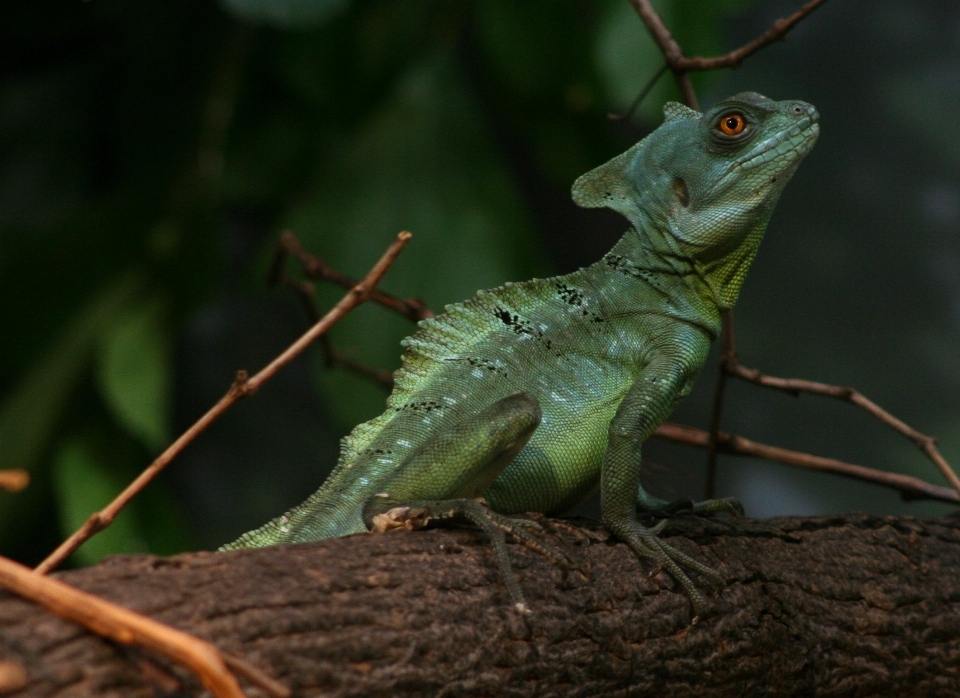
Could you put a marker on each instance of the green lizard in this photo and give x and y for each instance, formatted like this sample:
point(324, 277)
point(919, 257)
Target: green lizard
point(533, 394)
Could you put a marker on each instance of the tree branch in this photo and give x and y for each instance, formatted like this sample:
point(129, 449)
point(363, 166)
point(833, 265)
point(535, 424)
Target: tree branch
point(909, 487)
point(681, 64)
point(413, 309)
point(795, 386)
point(425, 613)
point(121, 625)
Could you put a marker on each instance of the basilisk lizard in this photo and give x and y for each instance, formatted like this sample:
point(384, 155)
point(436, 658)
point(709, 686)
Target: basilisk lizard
point(533, 394)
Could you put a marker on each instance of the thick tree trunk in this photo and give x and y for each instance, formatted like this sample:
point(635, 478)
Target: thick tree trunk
point(838, 606)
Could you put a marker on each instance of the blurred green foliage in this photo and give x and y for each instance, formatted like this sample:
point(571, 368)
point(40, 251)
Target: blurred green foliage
point(135, 137)
point(151, 152)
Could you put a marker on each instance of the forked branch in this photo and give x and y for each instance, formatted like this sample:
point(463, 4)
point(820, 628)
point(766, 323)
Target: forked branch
point(796, 386)
point(714, 440)
point(241, 387)
point(681, 65)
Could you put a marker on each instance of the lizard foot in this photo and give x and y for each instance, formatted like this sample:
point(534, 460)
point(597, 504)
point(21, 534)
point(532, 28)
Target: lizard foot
point(495, 526)
point(645, 543)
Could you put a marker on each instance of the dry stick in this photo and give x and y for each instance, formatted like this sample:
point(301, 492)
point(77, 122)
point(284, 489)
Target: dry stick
point(715, 440)
point(332, 358)
point(909, 487)
point(728, 352)
point(413, 309)
point(243, 668)
point(680, 63)
point(241, 388)
point(14, 480)
point(681, 66)
point(797, 385)
point(122, 625)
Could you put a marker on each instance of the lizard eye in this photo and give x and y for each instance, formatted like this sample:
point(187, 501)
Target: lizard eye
point(732, 124)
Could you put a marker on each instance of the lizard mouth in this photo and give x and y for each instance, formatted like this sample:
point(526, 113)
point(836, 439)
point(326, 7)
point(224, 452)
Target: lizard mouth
point(788, 146)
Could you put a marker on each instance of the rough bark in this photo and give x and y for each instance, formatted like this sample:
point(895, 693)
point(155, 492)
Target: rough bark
point(838, 606)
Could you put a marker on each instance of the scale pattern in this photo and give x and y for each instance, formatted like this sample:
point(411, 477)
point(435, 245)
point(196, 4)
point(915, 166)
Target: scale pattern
point(534, 394)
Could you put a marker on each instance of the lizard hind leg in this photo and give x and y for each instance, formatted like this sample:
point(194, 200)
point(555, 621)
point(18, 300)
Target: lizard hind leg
point(648, 504)
point(493, 524)
point(448, 473)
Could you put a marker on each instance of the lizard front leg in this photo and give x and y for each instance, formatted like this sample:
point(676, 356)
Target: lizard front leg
point(648, 402)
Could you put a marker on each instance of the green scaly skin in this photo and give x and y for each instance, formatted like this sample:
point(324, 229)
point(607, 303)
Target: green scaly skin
point(532, 394)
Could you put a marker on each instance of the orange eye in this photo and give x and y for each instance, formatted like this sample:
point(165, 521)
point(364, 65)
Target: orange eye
point(733, 124)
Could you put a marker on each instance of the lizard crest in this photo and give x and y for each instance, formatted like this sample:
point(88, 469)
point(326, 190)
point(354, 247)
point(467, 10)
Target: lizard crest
point(533, 394)
point(704, 191)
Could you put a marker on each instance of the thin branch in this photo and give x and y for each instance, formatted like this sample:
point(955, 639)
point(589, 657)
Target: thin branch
point(715, 441)
point(795, 386)
point(777, 32)
point(305, 293)
point(242, 667)
point(242, 387)
point(122, 625)
point(314, 267)
point(334, 358)
point(909, 487)
point(728, 352)
point(14, 480)
point(680, 63)
point(638, 100)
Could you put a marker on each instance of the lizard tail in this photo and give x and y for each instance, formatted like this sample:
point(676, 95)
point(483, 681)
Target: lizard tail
point(310, 521)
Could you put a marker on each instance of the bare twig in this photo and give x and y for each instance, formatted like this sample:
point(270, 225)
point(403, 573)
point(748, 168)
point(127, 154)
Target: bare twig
point(681, 65)
point(777, 32)
point(795, 386)
point(314, 267)
point(909, 487)
point(241, 388)
point(638, 100)
point(728, 352)
point(334, 358)
point(122, 625)
point(14, 480)
point(716, 441)
point(304, 291)
point(243, 668)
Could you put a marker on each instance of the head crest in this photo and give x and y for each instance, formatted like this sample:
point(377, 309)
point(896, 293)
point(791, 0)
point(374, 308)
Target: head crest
point(674, 111)
point(609, 185)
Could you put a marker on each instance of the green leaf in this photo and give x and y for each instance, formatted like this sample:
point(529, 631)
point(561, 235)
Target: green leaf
point(28, 417)
point(82, 486)
point(134, 372)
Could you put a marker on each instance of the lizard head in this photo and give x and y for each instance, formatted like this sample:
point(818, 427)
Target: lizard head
point(704, 185)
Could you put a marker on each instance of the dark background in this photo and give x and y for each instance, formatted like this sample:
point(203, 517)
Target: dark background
point(151, 152)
